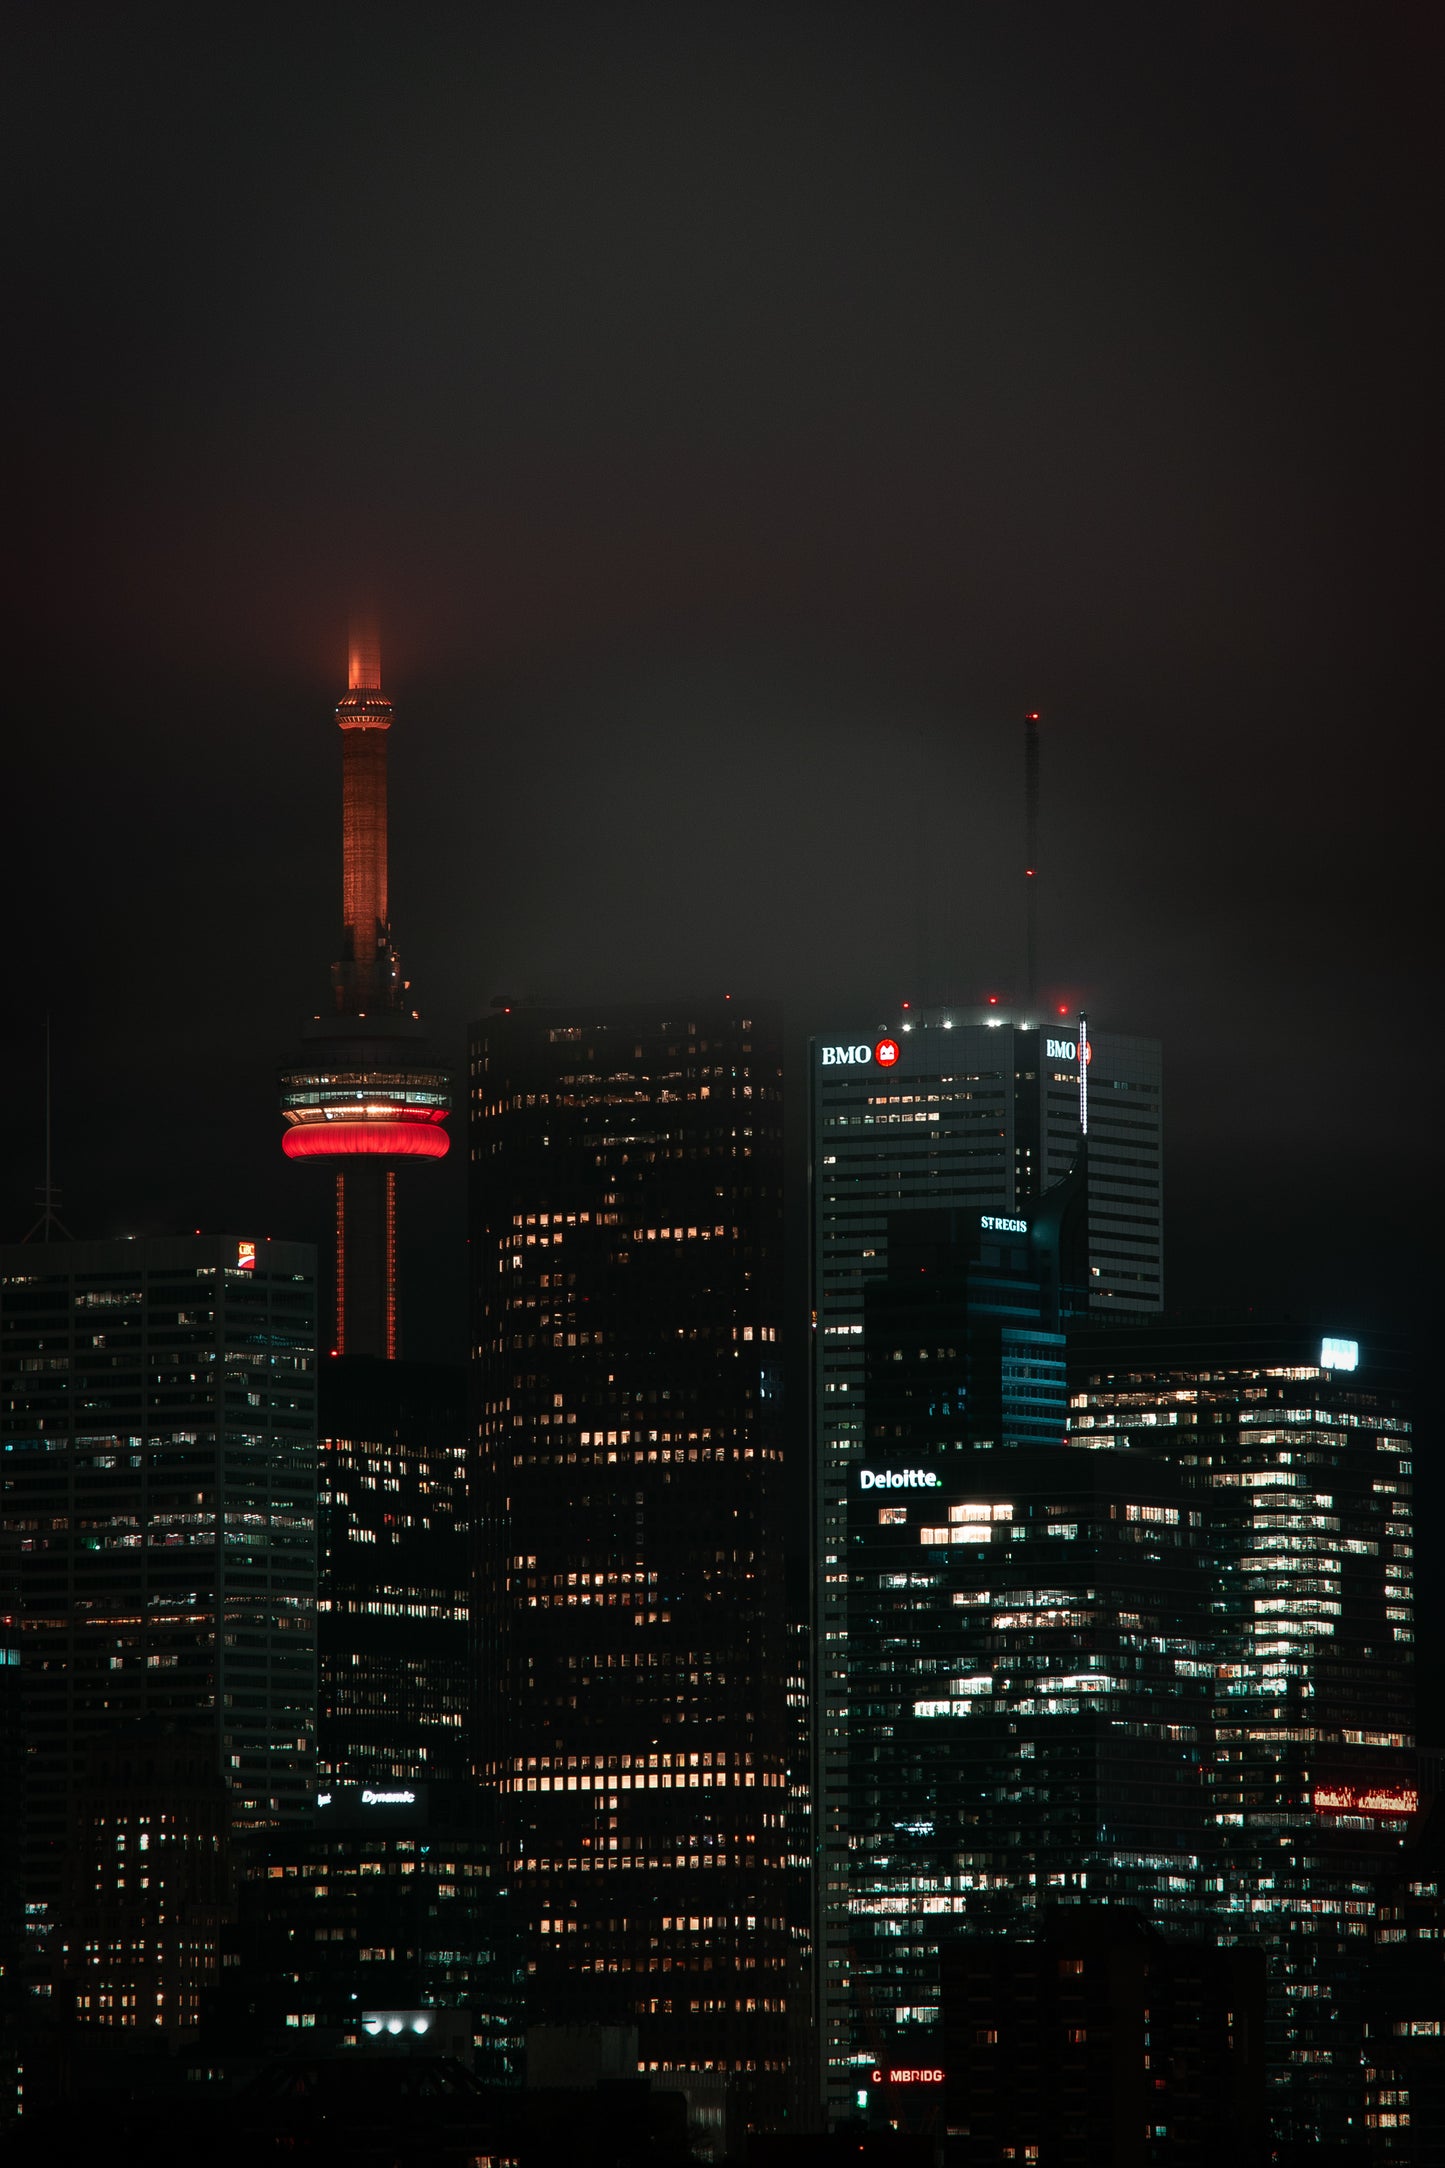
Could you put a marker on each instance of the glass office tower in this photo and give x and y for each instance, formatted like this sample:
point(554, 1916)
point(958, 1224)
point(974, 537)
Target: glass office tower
point(626, 1241)
point(1028, 1637)
point(978, 1109)
point(1296, 1446)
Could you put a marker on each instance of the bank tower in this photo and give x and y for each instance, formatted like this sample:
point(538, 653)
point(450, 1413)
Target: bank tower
point(365, 1095)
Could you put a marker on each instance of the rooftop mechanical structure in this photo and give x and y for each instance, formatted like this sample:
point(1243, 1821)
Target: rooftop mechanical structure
point(365, 1095)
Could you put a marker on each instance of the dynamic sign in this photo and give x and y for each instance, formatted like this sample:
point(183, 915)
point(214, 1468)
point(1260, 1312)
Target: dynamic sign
point(897, 1479)
point(1339, 1354)
point(1365, 1799)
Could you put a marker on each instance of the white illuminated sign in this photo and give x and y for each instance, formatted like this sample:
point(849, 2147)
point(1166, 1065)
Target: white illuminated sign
point(1339, 1354)
point(1061, 1049)
point(998, 1226)
point(897, 1479)
point(886, 1052)
point(388, 1799)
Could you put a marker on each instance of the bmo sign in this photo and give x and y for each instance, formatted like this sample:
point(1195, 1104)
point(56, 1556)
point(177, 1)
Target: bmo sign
point(1067, 1050)
point(884, 1052)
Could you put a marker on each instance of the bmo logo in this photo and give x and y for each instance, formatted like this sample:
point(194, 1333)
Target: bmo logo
point(885, 1053)
point(1068, 1050)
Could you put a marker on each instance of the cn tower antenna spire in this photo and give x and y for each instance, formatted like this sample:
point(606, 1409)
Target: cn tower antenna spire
point(363, 670)
point(1031, 859)
point(368, 977)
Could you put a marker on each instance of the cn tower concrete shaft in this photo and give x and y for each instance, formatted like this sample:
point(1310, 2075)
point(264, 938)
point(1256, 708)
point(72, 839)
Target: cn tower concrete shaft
point(363, 856)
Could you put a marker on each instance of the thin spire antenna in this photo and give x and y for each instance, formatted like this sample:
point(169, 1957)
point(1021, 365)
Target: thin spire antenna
point(1031, 859)
point(363, 653)
point(48, 1223)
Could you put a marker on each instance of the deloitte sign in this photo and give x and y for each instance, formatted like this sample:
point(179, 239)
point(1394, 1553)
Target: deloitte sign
point(897, 1479)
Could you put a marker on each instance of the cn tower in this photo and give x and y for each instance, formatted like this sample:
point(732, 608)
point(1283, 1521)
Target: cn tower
point(364, 1096)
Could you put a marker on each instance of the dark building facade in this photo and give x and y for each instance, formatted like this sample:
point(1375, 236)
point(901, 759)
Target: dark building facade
point(626, 1241)
point(159, 1455)
point(148, 1879)
point(12, 1828)
point(382, 1898)
point(1096, 2043)
point(394, 1602)
point(1295, 1445)
point(1028, 1650)
point(1404, 2053)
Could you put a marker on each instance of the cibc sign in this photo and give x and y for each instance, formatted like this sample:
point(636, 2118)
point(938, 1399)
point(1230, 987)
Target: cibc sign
point(883, 1052)
point(1384, 1799)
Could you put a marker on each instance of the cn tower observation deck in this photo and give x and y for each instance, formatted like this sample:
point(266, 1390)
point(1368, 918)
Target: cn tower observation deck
point(365, 1096)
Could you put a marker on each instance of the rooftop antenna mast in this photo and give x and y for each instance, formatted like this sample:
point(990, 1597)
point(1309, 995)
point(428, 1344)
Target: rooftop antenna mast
point(1031, 860)
point(1086, 1055)
point(49, 1222)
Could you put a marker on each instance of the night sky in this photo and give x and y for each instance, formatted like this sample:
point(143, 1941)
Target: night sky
point(738, 417)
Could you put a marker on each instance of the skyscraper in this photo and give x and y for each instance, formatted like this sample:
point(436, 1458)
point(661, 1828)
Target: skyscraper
point(158, 1430)
point(1297, 1446)
point(394, 1597)
point(971, 1109)
point(366, 1095)
point(148, 1884)
point(626, 1238)
point(380, 1897)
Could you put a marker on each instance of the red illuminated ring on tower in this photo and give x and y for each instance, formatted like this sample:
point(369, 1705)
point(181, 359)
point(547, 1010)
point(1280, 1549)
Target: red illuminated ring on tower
point(886, 1053)
point(394, 1140)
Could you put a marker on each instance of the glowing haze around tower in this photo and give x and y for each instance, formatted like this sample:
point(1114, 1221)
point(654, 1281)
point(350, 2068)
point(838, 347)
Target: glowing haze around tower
point(366, 1096)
